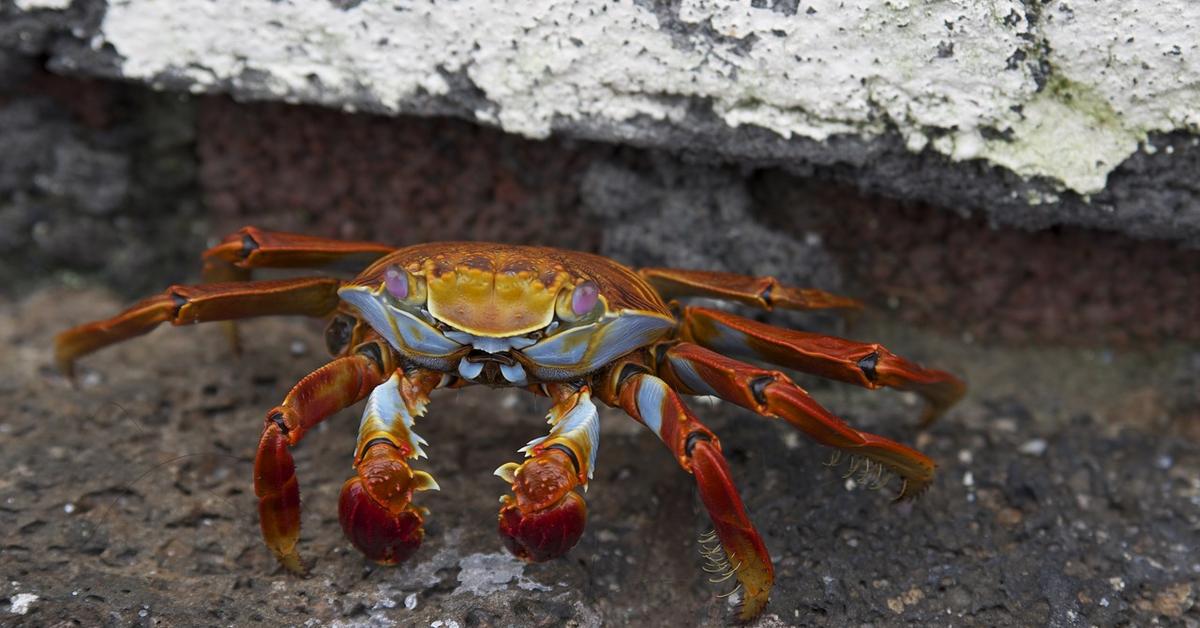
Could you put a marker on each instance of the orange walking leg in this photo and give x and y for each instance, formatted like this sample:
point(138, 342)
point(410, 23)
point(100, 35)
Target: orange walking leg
point(698, 371)
point(763, 292)
point(320, 394)
point(742, 553)
point(864, 364)
point(184, 305)
point(250, 247)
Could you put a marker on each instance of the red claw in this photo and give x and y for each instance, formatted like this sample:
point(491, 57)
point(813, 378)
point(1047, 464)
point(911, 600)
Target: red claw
point(547, 517)
point(375, 508)
point(546, 534)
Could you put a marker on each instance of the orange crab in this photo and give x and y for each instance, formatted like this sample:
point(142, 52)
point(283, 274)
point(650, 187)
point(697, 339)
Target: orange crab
point(567, 325)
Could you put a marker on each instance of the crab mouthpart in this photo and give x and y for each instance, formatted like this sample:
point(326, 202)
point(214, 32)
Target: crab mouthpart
point(488, 344)
point(471, 366)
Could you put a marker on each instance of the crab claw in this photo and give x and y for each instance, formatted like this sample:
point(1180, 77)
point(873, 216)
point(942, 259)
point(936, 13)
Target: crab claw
point(546, 517)
point(279, 497)
point(375, 508)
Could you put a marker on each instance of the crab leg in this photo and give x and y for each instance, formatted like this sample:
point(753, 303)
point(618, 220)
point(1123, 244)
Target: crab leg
point(695, 370)
point(375, 508)
point(653, 403)
point(867, 365)
point(545, 516)
point(183, 305)
point(763, 292)
point(320, 394)
point(251, 247)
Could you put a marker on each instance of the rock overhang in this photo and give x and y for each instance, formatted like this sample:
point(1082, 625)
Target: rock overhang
point(1057, 97)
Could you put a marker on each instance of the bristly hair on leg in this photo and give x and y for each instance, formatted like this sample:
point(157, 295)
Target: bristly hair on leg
point(871, 474)
point(717, 561)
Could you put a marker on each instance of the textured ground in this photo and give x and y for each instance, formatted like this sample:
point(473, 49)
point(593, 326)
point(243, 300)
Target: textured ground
point(1069, 494)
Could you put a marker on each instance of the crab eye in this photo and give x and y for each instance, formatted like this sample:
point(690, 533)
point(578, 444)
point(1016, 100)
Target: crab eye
point(583, 299)
point(395, 280)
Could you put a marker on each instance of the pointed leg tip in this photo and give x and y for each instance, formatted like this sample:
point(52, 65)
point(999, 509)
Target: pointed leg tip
point(291, 562)
point(940, 398)
point(935, 410)
point(910, 491)
point(72, 377)
point(752, 607)
point(851, 305)
point(64, 361)
point(68, 372)
point(929, 415)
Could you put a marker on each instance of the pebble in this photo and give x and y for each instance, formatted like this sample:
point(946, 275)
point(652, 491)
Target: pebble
point(20, 603)
point(1009, 517)
point(1175, 600)
point(1005, 424)
point(1035, 447)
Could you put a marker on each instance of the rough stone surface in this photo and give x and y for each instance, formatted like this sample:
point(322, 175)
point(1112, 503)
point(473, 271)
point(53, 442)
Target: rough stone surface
point(1068, 494)
point(400, 181)
point(1033, 112)
point(84, 192)
point(89, 174)
point(317, 171)
point(663, 213)
point(959, 274)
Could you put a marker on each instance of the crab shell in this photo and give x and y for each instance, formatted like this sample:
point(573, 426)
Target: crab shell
point(463, 304)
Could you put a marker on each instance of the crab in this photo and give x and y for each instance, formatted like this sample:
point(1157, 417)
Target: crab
point(574, 327)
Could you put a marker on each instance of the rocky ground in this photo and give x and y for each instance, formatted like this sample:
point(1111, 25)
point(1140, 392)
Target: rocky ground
point(1068, 495)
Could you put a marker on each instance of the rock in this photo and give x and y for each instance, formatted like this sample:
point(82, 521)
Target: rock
point(1032, 112)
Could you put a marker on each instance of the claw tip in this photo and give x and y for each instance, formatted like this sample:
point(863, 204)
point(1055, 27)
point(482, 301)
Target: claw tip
point(422, 481)
point(507, 472)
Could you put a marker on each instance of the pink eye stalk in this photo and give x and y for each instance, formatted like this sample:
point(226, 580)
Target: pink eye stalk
point(396, 282)
point(583, 300)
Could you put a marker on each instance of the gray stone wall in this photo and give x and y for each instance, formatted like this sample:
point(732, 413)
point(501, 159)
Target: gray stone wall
point(1033, 113)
